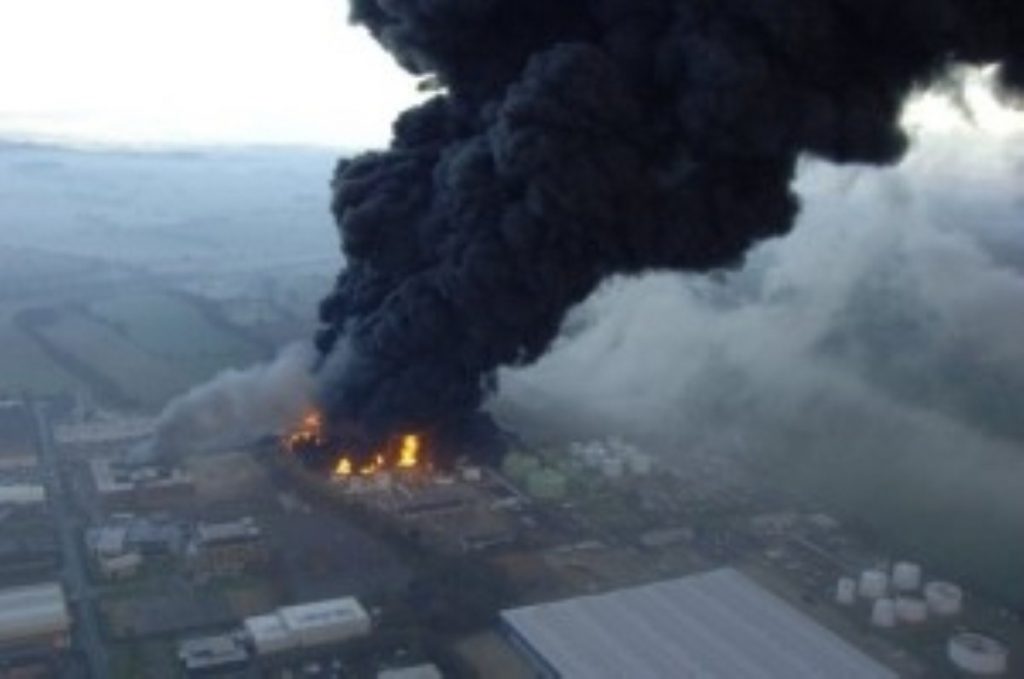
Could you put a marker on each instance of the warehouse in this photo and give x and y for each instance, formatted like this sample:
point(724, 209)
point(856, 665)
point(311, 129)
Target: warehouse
point(715, 624)
point(34, 617)
point(308, 625)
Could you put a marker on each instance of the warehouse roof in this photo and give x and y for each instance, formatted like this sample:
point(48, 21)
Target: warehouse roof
point(716, 624)
point(319, 613)
point(30, 611)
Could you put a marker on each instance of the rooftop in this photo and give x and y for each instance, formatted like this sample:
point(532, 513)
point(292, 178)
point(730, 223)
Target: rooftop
point(33, 610)
point(715, 624)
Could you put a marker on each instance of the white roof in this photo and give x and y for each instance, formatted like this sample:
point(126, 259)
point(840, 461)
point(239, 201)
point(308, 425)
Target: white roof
point(22, 494)
point(712, 625)
point(33, 610)
point(267, 628)
point(426, 671)
point(320, 613)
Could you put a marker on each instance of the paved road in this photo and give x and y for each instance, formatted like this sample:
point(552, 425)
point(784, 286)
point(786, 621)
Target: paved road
point(76, 579)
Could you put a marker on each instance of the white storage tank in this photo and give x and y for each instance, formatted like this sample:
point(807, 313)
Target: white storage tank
point(874, 584)
point(911, 610)
point(613, 467)
point(906, 576)
point(640, 464)
point(978, 654)
point(944, 598)
point(846, 591)
point(883, 613)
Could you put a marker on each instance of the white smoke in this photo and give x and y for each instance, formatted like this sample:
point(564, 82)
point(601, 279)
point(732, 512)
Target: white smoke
point(874, 357)
point(237, 405)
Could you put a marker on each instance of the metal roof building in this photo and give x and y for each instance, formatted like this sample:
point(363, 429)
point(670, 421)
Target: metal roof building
point(710, 625)
point(34, 612)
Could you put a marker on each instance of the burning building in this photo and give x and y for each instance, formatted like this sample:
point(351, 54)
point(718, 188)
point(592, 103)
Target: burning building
point(344, 457)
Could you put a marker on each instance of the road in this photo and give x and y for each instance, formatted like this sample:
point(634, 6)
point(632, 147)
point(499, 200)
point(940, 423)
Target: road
point(74, 574)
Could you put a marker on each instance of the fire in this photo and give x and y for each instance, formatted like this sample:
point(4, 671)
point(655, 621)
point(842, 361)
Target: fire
point(409, 455)
point(309, 431)
point(403, 453)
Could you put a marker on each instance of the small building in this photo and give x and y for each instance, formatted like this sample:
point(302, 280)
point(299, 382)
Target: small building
point(226, 548)
point(122, 486)
point(34, 618)
point(120, 566)
point(309, 625)
point(22, 495)
point(213, 654)
point(424, 671)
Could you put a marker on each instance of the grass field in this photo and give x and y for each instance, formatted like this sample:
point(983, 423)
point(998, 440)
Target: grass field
point(136, 347)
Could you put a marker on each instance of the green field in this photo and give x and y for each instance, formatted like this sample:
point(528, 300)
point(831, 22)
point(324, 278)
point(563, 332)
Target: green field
point(134, 348)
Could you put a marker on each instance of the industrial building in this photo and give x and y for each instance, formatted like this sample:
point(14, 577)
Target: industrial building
point(715, 624)
point(307, 626)
point(34, 618)
point(123, 487)
point(218, 654)
point(226, 548)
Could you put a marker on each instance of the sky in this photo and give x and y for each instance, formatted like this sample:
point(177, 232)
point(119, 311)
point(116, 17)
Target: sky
point(202, 72)
point(169, 72)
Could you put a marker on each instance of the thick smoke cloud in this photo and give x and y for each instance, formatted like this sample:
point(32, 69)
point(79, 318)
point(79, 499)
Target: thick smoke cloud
point(871, 359)
point(237, 405)
point(584, 138)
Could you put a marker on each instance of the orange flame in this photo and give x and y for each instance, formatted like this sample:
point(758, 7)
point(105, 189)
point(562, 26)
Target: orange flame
point(409, 455)
point(344, 467)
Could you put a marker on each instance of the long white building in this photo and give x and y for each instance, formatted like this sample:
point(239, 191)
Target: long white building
point(308, 625)
point(34, 616)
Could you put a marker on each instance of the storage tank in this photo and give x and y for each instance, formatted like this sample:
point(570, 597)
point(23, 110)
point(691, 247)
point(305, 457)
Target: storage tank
point(546, 484)
point(846, 591)
point(978, 654)
point(613, 467)
point(883, 613)
point(906, 576)
point(640, 464)
point(874, 583)
point(911, 610)
point(944, 598)
point(517, 466)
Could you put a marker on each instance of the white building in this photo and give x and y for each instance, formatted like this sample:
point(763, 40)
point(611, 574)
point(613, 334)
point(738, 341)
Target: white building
point(22, 495)
point(34, 616)
point(308, 625)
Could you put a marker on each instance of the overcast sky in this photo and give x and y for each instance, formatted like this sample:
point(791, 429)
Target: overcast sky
point(194, 71)
point(218, 71)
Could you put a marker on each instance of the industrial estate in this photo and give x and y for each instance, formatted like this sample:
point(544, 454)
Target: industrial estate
point(583, 560)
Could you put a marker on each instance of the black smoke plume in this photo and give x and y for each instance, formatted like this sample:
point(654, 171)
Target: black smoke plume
point(575, 139)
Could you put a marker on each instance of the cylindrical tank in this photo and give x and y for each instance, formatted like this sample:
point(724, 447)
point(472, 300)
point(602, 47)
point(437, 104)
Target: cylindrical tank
point(911, 610)
point(883, 613)
point(846, 591)
point(612, 467)
point(944, 598)
point(874, 583)
point(978, 654)
point(546, 484)
point(640, 464)
point(517, 467)
point(906, 576)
